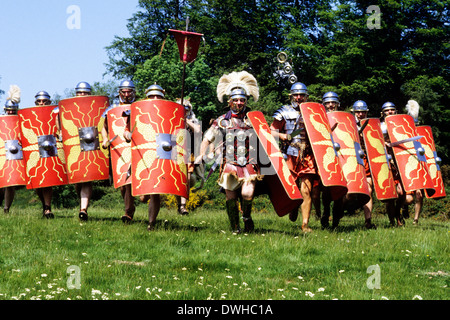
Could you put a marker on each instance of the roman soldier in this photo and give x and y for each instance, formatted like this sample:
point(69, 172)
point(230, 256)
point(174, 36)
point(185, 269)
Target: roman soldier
point(330, 101)
point(239, 169)
point(11, 107)
point(83, 189)
point(393, 206)
point(297, 149)
point(194, 130)
point(42, 98)
point(153, 92)
point(361, 110)
point(127, 95)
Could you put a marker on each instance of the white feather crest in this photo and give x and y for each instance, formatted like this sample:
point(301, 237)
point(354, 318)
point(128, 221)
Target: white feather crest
point(412, 108)
point(234, 80)
point(14, 94)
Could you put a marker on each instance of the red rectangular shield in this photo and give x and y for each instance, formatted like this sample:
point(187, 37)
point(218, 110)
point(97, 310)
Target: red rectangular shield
point(382, 177)
point(158, 148)
point(283, 190)
point(411, 162)
point(433, 166)
point(120, 150)
point(43, 153)
point(81, 125)
point(12, 164)
point(350, 155)
point(319, 134)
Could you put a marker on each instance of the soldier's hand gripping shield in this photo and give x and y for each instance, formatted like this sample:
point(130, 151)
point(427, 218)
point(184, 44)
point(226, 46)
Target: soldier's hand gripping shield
point(12, 164)
point(433, 161)
point(324, 148)
point(283, 191)
point(158, 148)
point(43, 153)
point(410, 155)
point(350, 155)
point(378, 158)
point(81, 125)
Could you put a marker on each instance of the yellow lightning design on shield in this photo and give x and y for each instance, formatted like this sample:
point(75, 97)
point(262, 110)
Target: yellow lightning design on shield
point(349, 153)
point(377, 144)
point(413, 163)
point(330, 156)
point(3, 161)
point(73, 141)
point(263, 129)
point(122, 148)
point(30, 133)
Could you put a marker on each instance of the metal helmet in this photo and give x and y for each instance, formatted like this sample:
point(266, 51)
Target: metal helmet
point(238, 93)
point(11, 105)
point(299, 88)
point(359, 105)
point(388, 105)
point(330, 97)
point(155, 90)
point(42, 95)
point(127, 84)
point(83, 87)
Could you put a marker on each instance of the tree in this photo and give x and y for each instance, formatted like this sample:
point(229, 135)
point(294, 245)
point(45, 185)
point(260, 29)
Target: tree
point(332, 46)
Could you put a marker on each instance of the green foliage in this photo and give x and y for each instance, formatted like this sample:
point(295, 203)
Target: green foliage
point(329, 43)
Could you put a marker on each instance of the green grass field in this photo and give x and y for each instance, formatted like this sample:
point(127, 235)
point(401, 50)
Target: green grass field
point(196, 257)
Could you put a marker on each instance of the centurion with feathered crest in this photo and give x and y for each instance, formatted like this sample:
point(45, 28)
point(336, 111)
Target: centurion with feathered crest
point(233, 132)
point(13, 100)
point(12, 165)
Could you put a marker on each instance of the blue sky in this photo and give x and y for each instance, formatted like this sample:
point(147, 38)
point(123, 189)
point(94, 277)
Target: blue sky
point(42, 48)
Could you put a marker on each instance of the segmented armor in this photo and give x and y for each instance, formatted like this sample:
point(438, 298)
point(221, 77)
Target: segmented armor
point(293, 121)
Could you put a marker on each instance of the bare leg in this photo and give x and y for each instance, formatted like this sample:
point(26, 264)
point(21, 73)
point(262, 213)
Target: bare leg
point(418, 206)
point(153, 210)
point(306, 189)
point(9, 197)
point(84, 191)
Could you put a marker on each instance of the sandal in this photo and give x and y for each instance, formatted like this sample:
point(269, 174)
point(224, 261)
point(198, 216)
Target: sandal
point(126, 218)
point(47, 213)
point(83, 215)
point(182, 210)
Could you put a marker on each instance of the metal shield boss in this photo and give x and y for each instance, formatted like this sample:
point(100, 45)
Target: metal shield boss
point(350, 155)
point(433, 161)
point(378, 158)
point(119, 149)
point(81, 122)
point(158, 148)
point(410, 156)
point(12, 164)
point(283, 191)
point(324, 148)
point(43, 153)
